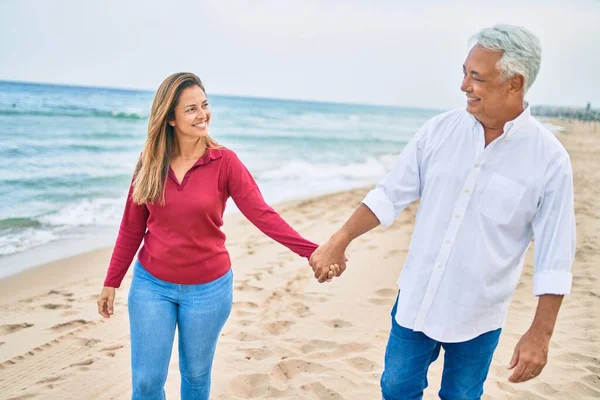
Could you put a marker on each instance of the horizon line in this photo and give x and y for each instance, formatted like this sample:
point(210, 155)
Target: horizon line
point(122, 89)
point(330, 102)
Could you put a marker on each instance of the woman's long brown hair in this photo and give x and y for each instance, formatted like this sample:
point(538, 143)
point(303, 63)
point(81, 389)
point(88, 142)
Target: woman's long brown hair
point(152, 169)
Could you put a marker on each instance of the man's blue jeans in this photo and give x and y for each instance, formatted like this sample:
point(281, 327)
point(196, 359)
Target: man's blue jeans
point(198, 311)
point(409, 354)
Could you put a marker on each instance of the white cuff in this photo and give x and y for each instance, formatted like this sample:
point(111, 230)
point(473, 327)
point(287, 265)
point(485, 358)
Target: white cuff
point(381, 206)
point(552, 282)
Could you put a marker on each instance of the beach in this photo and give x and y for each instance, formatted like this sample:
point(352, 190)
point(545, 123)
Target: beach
point(288, 336)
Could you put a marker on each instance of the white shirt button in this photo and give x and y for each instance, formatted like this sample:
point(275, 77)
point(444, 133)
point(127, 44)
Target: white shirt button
point(477, 165)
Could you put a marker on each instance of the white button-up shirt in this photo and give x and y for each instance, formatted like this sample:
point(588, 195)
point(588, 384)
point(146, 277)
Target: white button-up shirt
point(479, 209)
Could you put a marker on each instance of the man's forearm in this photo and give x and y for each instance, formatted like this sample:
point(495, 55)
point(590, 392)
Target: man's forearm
point(361, 221)
point(546, 313)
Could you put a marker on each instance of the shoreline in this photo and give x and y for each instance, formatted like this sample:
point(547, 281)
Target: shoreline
point(66, 248)
point(37, 268)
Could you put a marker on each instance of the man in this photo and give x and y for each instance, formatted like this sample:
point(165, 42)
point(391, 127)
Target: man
point(489, 178)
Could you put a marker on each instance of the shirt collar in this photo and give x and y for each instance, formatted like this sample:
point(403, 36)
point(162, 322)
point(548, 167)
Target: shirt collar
point(511, 126)
point(208, 156)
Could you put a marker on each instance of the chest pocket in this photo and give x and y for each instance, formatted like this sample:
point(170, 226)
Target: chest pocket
point(501, 198)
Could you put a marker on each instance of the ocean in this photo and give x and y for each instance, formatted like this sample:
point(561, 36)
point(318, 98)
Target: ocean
point(68, 155)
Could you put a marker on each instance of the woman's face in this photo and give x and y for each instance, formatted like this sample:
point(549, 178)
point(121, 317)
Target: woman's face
point(191, 115)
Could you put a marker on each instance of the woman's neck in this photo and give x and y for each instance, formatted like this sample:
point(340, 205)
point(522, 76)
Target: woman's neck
point(189, 149)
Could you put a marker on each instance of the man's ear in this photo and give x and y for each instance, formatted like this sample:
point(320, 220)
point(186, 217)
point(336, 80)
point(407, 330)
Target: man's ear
point(517, 83)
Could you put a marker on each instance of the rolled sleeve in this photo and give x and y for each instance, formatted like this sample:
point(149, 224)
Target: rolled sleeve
point(381, 206)
point(554, 233)
point(552, 282)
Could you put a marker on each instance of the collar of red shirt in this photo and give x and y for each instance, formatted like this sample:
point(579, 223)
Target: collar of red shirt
point(209, 155)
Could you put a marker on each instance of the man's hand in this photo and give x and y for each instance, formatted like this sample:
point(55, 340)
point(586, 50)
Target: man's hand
point(530, 356)
point(329, 260)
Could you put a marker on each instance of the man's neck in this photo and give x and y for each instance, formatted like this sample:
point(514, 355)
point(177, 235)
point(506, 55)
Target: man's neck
point(494, 127)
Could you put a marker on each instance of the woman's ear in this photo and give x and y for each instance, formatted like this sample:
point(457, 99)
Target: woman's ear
point(172, 123)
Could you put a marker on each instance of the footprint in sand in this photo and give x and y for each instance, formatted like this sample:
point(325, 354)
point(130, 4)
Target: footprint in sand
point(363, 364)
point(245, 287)
point(322, 392)
point(51, 306)
point(246, 336)
point(318, 345)
point(338, 323)
point(65, 294)
point(384, 296)
point(83, 365)
point(251, 386)
point(354, 347)
point(257, 353)
point(387, 292)
point(84, 342)
point(69, 325)
point(244, 308)
point(68, 313)
point(316, 297)
point(257, 276)
point(287, 369)
point(110, 351)
point(300, 310)
point(50, 382)
point(24, 397)
point(279, 327)
point(12, 328)
point(391, 253)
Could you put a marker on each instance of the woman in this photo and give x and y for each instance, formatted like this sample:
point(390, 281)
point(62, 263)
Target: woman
point(182, 276)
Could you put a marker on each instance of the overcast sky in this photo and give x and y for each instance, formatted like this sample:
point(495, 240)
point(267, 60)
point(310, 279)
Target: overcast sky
point(377, 52)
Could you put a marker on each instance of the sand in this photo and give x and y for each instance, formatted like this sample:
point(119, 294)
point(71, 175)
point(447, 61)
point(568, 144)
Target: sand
point(288, 336)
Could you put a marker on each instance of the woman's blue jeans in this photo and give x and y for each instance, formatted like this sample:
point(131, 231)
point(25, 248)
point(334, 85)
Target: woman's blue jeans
point(198, 311)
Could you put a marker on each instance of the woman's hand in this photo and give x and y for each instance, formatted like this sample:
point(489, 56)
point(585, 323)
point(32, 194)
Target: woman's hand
point(106, 301)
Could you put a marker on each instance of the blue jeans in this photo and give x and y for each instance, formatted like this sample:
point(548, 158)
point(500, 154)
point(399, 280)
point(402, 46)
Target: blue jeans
point(198, 311)
point(409, 354)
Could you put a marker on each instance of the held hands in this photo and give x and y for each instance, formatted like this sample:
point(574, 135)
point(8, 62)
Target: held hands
point(328, 261)
point(106, 302)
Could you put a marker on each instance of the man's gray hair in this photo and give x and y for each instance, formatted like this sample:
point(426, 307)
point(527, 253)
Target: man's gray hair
point(522, 52)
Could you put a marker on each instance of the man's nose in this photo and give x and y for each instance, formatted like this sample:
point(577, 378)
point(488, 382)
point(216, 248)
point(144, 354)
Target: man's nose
point(466, 85)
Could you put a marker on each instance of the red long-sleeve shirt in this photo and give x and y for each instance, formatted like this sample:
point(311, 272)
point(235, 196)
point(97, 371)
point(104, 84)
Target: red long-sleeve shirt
point(183, 242)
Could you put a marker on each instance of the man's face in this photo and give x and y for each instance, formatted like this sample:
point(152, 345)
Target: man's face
point(487, 92)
